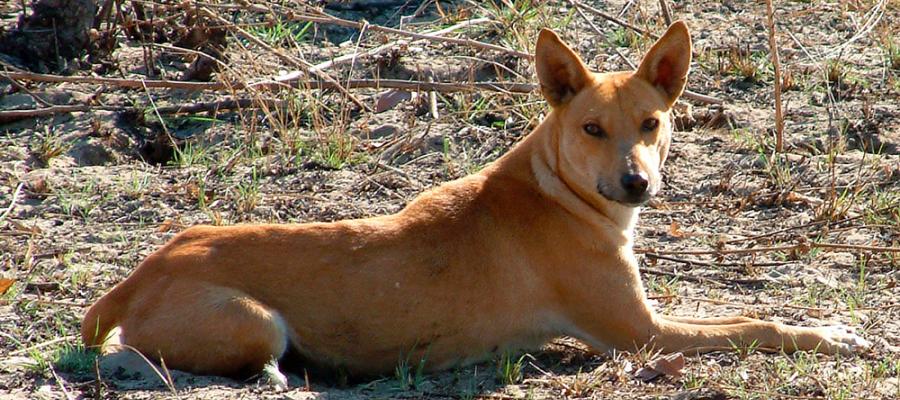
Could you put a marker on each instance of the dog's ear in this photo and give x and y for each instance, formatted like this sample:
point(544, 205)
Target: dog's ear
point(560, 71)
point(667, 63)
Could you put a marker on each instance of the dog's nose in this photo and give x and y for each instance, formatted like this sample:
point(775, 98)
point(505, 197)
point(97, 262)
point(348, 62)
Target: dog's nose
point(635, 184)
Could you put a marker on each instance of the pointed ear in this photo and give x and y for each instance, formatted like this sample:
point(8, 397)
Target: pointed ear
point(667, 63)
point(561, 73)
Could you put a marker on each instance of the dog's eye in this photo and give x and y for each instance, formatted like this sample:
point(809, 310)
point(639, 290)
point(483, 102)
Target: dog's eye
point(594, 130)
point(649, 124)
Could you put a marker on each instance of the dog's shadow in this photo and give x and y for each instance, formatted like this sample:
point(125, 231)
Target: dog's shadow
point(128, 371)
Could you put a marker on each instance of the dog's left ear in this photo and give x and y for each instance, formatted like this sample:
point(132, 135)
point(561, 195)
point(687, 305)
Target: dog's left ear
point(667, 63)
point(560, 71)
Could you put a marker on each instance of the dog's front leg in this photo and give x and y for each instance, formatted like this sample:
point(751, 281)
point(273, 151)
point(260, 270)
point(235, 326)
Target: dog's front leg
point(701, 335)
point(619, 317)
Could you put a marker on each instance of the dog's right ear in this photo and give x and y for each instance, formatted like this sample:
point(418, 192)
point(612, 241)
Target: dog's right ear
point(560, 71)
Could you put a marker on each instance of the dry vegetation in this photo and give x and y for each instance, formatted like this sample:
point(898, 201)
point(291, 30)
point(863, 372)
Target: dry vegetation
point(232, 112)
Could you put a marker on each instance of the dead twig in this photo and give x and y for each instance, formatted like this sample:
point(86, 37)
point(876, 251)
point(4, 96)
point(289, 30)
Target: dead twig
point(290, 80)
point(701, 98)
point(297, 63)
point(328, 19)
point(825, 246)
point(703, 279)
point(39, 300)
point(187, 108)
point(280, 82)
point(810, 224)
point(15, 197)
point(43, 344)
point(118, 82)
point(783, 305)
point(34, 96)
point(60, 383)
point(773, 50)
point(664, 10)
point(380, 49)
point(15, 115)
point(322, 18)
point(166, 378)
point(711, 264)
point(613, 19)
point(444, 87)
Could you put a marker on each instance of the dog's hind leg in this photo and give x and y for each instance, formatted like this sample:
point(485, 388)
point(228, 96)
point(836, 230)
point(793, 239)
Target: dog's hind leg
point(203, 328)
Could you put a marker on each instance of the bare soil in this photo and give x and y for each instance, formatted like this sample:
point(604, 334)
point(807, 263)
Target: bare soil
point(100, 190)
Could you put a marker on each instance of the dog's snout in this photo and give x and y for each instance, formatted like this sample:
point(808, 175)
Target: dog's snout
point(635, 184)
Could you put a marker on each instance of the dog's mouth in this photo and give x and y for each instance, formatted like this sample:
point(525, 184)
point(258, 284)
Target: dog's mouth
point(626, 200)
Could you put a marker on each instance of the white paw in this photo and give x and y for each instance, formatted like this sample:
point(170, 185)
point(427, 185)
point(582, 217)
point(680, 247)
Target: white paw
point(844, 339)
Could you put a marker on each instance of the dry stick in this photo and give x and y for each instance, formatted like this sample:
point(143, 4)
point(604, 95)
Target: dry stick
point(22, 87)
point(59, 382)
point(212, 106)
point(380, 49)
point(825, 246)
point(329, 19)
point(811, 224)
point(444, 87)
point(358, 25)
point(44, 344)
point(168, 382)
point(614, 20)
point(300, 64)
point(15, 115)
point(656, 256)
point(12, 203)
point(784, 305)
point(188, 108)
point(874, 17)
point(664, 10)
point(773, 49)
point(119, 82)
point(701, 279)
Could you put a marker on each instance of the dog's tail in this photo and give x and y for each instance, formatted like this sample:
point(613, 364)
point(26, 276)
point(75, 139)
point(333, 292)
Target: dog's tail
point(104, 315)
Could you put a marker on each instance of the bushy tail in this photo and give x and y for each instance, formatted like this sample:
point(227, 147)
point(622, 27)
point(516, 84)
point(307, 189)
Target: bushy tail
point(103, 316)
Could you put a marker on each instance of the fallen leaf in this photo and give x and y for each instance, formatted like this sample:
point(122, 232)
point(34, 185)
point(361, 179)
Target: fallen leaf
point(668, 364)
point(675, 230)
point(5, 284)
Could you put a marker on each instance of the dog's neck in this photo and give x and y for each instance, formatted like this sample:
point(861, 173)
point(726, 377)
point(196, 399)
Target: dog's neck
point(537, 157)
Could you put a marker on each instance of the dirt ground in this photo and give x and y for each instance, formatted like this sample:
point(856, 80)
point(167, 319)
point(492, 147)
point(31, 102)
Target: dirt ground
point(806, 237)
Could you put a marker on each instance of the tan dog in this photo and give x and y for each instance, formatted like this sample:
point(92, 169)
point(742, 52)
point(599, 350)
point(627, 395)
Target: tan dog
point(537, 245)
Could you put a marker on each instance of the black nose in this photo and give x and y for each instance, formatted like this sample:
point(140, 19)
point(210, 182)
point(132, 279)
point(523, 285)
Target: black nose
point(635, 184)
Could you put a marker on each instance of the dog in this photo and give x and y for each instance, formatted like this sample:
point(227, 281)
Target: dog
point(536, 245)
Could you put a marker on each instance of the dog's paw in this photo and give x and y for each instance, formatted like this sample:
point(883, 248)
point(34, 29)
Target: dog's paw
point(843, 339)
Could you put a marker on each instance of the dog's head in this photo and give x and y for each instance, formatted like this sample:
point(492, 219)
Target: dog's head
point(614, 128)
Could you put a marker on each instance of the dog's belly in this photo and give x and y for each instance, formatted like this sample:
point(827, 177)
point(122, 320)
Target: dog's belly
point(361, 346)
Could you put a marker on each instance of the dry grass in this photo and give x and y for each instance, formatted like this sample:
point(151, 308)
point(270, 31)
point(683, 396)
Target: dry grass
point(103, 189)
